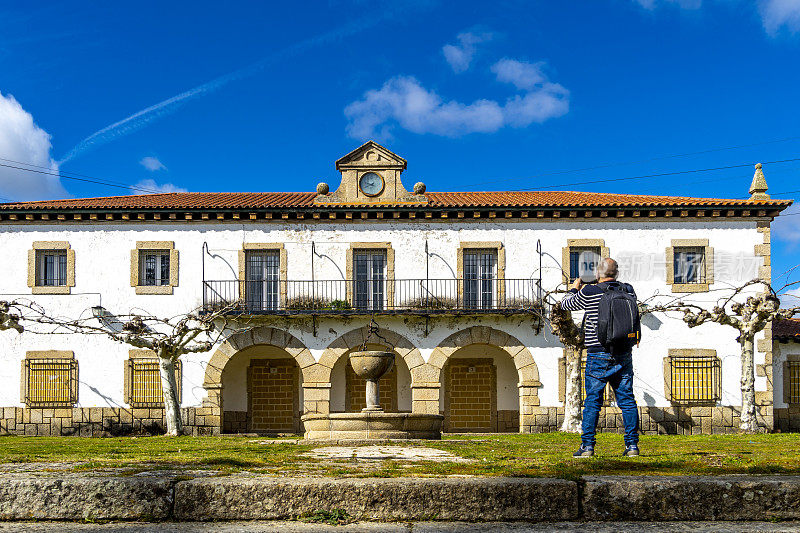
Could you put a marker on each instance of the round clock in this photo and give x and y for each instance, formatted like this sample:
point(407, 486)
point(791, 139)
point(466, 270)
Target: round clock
point(371, 184)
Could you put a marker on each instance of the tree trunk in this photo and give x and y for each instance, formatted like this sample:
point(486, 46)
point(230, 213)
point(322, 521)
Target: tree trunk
point(169, 386)
point(572, 392)
point(748, 418)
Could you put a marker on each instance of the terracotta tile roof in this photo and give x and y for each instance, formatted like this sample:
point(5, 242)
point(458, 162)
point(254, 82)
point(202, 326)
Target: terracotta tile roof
point(275, 200)
point(786, 329)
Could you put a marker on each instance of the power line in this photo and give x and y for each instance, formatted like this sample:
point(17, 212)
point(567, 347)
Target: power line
point(660, 158)
point(658, 175)
point(87, 180)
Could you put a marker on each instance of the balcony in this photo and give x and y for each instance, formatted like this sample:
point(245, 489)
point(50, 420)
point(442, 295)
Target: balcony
point(373, 296)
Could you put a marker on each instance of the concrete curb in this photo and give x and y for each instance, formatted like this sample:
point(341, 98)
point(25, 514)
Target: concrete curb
point(691, 498)
point(473, 499)
point(159, 497)
point(26, 497)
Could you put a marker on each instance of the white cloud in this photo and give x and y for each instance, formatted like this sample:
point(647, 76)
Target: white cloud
point(776, 14)
point(790, 298)
point(787, 228)
point(524, 76)
point(22, 140)
point(152, 187)
point(684, 4)
point(152, 164)
point(460, 55)
point(405, 102)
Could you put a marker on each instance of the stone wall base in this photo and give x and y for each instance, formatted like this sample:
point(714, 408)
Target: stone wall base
point(102, 421)
point(655, 420)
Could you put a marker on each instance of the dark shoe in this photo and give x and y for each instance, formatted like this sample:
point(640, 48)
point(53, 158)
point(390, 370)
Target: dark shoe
point(631, 450)
point(584, 451)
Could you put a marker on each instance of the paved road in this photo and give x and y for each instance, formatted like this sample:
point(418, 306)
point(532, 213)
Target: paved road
point(419, 527)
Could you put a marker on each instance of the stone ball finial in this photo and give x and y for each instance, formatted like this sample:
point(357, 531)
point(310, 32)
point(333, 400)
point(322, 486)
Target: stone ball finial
point(322, 188)
point(419, 188)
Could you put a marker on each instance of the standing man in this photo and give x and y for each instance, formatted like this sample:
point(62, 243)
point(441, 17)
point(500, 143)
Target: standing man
point(606, 362)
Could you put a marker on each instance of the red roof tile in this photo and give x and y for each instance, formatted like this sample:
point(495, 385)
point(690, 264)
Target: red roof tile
point(275, 200)
point(786, 329)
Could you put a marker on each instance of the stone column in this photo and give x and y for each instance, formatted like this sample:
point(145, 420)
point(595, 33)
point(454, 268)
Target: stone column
point(528, 403)
point(425, 398)
point(316, 398)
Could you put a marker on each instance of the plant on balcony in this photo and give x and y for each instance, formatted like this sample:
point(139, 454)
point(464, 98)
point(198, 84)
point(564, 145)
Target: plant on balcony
point(429, 302)
point(308, 303)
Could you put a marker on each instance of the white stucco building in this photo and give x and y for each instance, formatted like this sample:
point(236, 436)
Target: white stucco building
point(454, 280)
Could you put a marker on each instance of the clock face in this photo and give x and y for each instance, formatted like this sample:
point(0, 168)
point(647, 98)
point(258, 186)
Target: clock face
point(371, 184)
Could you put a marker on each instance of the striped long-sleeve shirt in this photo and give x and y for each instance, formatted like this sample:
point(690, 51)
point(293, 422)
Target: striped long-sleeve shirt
point(588, 300)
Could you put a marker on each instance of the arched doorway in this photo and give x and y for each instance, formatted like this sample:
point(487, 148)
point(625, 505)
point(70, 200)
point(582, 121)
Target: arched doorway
point(256, 379)
point(480, 392)
point(261, 392)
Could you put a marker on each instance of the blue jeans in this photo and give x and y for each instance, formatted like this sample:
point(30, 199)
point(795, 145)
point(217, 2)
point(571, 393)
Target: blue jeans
point(602, 368)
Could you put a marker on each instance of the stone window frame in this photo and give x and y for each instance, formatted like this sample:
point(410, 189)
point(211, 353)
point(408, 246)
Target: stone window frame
point(499, 247)
point(675, 353)
point(148, 355)
point(39, 246)
point(562, 381)
point(708, 265)
point(350, 266)
point(581, 243)
point(38, 355)
point(790, 358)
point(173, 267)
point(282, 267)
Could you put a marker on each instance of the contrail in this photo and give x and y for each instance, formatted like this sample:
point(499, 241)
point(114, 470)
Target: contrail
point(142, 118)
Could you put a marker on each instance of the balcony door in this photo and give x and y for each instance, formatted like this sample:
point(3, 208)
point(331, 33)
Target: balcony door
point(369, 285)
point(262, 279)
point(480, 279)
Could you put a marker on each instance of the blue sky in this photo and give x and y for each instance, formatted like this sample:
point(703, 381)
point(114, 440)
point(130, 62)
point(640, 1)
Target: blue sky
point(516, 94)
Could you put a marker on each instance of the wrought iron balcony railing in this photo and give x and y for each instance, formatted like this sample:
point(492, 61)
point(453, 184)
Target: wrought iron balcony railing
point(371, 296)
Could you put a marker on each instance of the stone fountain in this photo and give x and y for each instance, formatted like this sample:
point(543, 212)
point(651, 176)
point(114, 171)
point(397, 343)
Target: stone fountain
point(372, 422)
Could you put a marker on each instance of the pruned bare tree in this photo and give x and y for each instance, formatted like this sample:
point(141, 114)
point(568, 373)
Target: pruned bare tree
point(748, 317)
point(168, 338)
point(571, 336)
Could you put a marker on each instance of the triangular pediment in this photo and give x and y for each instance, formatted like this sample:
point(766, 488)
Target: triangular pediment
point(371, 154)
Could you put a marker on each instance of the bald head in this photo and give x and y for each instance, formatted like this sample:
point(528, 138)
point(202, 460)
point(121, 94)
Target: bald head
point(607, 269)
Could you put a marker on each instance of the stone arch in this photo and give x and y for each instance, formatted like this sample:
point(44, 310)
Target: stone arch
point(212, 408)
point(523, 361)
point(252, 337)
point(355, 338)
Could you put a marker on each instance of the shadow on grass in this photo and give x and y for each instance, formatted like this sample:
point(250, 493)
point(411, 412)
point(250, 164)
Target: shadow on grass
point(230, 462)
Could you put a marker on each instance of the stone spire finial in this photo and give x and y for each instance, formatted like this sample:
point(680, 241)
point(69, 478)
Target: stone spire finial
point(758, 189)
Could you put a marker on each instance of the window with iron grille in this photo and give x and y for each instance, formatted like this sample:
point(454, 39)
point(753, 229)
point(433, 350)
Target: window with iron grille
point(262, 279)
point(154, 267)
point(584, 259)
point(144, 383)
point(695, 380)
point(688, 264)
point(51, 268)
point(480, 279)
point(369, 271)
point(51, 382)
point(794, 382)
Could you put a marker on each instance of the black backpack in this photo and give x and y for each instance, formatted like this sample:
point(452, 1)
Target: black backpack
point(618, 322)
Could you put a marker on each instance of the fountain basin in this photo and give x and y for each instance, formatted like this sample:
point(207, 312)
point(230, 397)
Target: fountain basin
point(372, 425)
point(371, 364)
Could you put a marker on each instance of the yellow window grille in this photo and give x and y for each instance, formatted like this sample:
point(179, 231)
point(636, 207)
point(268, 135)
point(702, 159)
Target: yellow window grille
point(794, 381)
point(695, 379)
point(145, 383)
point(51, 382)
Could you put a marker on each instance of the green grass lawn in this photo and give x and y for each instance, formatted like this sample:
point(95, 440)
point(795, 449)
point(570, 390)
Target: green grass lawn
point(490, 455)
